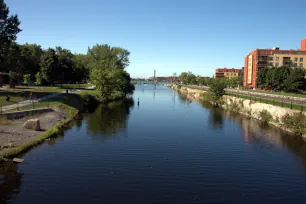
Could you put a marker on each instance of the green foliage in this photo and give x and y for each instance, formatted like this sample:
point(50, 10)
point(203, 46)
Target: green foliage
point(107, 72)
point(38, 78)
point(265, 116)
point(188, 78)
point(295, 81)
point(282, 78)
point(295, 122)
point(9, 28)
point(27, 79)
point(216, 90)
point(13, 78)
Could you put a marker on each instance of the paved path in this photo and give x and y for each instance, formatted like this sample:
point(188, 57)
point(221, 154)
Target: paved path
point(29, 102)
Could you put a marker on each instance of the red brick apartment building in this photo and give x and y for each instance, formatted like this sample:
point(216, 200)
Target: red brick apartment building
point(226, 72)
point(260, 58)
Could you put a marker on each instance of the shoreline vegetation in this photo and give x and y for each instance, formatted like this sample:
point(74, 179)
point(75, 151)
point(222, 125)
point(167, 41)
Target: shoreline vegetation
point(72, 105)
point(292, 121)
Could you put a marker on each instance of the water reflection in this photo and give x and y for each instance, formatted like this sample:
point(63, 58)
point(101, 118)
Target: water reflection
point(10, 181)
point(110, 118)
point(254, 133)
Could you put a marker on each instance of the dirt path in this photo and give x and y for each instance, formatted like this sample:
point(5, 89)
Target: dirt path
point(13, 134)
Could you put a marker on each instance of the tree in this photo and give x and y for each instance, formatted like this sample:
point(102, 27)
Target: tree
point(187, 78)
point(49, 66)
point(13, 78)
point(216, 90)
point(38, 78)
point(295, 81)
point(261, 77)
point(9, 28)
point(107, 66)
point(27, 79)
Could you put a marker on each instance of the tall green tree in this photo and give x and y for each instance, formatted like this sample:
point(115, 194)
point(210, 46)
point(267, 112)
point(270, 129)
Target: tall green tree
point(295, 82)
point(49, 66)
point(107, 66)
point(9, 28)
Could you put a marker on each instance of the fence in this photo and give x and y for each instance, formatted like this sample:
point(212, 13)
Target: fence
point(276, 102)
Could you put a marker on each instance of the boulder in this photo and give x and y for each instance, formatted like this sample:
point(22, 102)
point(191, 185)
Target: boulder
point(32, 124)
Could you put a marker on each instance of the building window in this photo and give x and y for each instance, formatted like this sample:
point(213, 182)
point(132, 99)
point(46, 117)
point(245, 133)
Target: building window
point(271, 52)
point(296, 59)
point(301, 65)
point(295, 65)
point(271, 63)
point(301, 59)
point(277, 58)
point(276, 64)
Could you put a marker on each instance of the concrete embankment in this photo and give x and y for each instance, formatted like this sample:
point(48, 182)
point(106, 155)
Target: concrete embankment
point(243, 106)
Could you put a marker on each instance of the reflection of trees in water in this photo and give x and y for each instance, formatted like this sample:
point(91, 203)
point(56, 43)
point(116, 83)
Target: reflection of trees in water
point(182, 97)
point(10, 181)
point(256, 133)
point(110, 118)
point(215, 115)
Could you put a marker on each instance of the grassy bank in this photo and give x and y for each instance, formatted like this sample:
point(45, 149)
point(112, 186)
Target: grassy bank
point(72, 104)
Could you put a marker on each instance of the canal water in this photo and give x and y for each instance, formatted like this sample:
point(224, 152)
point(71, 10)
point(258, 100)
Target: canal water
point(166, 150)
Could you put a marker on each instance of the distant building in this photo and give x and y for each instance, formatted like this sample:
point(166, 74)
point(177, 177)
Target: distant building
point(226, 73)
point(259, 58)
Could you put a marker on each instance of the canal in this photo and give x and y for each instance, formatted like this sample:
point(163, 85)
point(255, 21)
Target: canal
point(166, 150)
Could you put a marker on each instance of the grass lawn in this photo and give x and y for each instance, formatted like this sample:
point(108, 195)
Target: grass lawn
point(74, 86)
point(21, 93)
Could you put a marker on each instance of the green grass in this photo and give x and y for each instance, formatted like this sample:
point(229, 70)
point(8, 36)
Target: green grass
point(269, 101)
point(21, 93)
point(74, 86)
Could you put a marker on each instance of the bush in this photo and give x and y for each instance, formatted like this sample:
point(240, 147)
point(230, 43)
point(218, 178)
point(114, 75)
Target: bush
point(216, 90)
point(295, 122)
point(179, 86)
point(265, 116)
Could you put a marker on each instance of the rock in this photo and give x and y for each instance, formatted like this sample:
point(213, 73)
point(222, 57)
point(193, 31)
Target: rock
point(32, 124)
point(17, 160)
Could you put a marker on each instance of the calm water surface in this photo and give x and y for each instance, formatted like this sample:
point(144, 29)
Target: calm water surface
point(166, 150)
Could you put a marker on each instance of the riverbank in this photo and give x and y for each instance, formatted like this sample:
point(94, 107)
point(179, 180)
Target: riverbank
point(267, 113)
point(15, 139)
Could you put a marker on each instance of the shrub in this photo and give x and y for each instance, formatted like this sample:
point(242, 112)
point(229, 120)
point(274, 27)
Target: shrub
point(296, 122)
point(265, 116)
point(179, 86)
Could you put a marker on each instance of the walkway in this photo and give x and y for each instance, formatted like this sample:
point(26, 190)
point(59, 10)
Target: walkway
point(29, 102)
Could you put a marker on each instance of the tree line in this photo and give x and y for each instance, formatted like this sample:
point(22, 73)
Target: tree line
point(102, 65)
point(191, 79)
point(282, 78)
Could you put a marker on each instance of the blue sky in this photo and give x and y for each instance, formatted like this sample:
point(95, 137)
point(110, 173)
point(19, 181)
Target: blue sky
point(166, 35)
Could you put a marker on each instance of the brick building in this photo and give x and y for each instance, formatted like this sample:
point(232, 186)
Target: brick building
point(226, 73)
point(275, 57)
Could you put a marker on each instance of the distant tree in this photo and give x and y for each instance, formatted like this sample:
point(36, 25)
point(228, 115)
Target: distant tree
point(187, 78)
point(27, 79)
point(9, 28)
point(38, 78)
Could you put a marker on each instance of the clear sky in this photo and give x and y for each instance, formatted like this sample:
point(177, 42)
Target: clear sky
point(166, 35)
